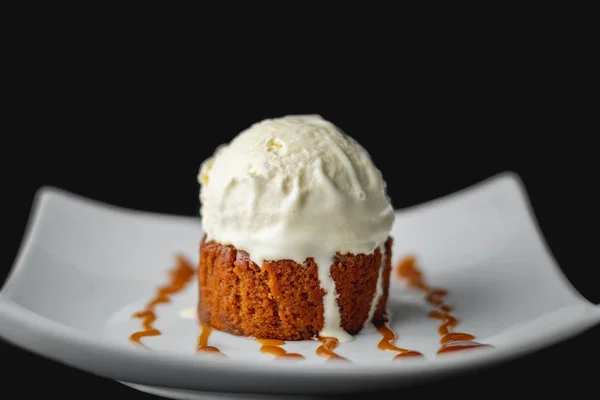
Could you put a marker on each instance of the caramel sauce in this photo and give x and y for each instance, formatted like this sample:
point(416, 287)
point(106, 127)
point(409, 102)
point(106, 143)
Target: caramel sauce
point(386, 344)
point(148, 318)
point(271, 346)
point(407, 271)
point(202, 345)
point(455, 336)
point(449, 321)
point(180, 276)
point(450, 341)
point(460, 345)
point(328, 347)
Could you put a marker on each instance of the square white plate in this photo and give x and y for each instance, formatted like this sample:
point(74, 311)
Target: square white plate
point(86, 267)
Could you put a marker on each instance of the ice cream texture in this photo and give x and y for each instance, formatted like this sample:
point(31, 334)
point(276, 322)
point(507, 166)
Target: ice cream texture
point(293, 188)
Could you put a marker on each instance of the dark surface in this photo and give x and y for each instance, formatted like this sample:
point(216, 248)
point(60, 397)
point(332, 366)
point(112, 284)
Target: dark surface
point(124, 126)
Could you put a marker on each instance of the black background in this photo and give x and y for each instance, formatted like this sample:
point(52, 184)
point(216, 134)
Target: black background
point(127, 120)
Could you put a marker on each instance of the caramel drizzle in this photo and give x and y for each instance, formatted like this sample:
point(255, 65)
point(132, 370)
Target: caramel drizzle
point(180, 276)
point(202, 345)
point(407, 271)
point(386, 344)
point(326, 349)
point(450, 341)
point(271, 346)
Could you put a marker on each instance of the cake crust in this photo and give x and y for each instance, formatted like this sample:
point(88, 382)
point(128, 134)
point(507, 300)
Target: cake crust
point(283, 299)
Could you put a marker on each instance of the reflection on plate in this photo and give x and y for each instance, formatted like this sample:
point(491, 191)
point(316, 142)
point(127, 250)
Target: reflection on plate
point(471, 270)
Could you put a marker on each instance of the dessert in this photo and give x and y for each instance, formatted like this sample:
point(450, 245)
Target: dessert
point(297, 233)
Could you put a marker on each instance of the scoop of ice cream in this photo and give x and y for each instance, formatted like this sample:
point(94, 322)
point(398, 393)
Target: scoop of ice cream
point(292, 188)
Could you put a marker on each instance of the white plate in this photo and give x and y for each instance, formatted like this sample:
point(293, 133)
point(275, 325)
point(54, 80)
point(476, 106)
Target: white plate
point(85, 267)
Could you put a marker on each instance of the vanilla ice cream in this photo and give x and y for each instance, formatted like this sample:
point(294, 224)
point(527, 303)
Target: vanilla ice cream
point(293, 188)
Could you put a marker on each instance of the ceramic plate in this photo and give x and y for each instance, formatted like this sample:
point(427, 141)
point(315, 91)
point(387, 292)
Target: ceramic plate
point(85, 268)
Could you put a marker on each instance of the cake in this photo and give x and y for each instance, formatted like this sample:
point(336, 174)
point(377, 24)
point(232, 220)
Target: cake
point(297, 241)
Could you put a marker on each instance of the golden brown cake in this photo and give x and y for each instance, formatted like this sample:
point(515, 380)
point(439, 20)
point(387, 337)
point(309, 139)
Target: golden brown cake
point(283, 299)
